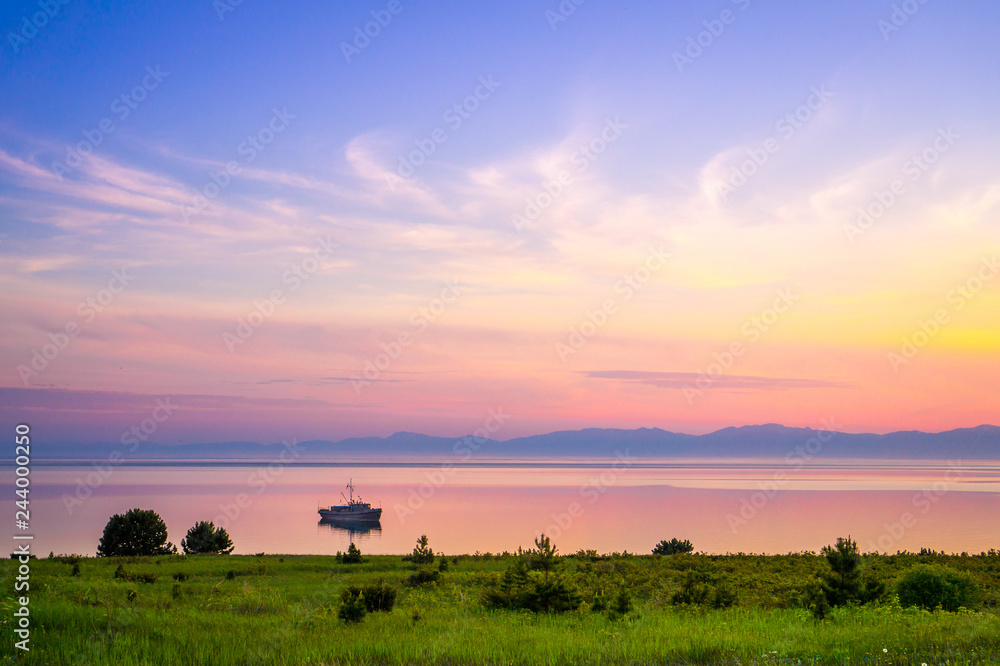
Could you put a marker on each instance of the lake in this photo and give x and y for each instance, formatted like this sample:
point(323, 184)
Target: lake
point(721, 506)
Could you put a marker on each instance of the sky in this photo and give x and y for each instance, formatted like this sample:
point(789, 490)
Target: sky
point(271, 221)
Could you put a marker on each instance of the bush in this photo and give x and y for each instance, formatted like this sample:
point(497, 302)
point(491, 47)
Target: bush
point(180, 576)
point(422, 553)
point(379, 598)
point(930, 586)
point(621, 605)
point(121, 574)
point(76, 570)
point(205, 538)
point(555, 595)
point(137, 533)
point(509, 592)
point(352, 607)
point(518, 590)
point(843, 585)
point(696, 591)
point(352, 556)
point(672, 547)
point(543, 556)
point(423, 577)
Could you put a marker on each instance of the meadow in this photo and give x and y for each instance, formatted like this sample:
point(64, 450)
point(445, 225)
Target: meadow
point(269, 609)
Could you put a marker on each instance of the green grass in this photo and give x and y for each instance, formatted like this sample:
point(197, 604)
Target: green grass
point(283, 610)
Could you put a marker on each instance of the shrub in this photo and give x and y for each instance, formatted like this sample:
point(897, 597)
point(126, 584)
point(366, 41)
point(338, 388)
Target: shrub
point(930, 586)
point(423, 577)
point(443, 564)
point(518, 590)
point(379, 598)
point(175, 591)
point(621, 605)
point(843, 584)
point(510, 590)
point(136, 533)
point(697, 591)
point(205, 538)
point(352, 607)
point(76, 570)
point(542, 556)
point(230, 575)
point(422, 553)
point(552, 596)
point(180, 576)
point(352, 556)
point(121, 574)
point(723, 597)
point(672, 547)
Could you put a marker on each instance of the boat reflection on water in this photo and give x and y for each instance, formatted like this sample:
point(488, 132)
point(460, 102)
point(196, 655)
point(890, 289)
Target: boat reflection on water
point(354, 529)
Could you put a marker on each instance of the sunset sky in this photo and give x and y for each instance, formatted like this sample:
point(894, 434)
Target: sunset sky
point(674, 215)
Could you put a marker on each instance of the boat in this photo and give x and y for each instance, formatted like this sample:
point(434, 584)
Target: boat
point(354, 511)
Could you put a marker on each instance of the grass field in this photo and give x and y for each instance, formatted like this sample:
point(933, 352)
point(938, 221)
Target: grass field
point(224, 610)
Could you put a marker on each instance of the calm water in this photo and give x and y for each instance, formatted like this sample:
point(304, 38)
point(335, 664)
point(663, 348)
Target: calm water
point(750, 507)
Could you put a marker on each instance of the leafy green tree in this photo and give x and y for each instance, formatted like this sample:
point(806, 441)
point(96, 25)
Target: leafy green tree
point(139, 532)
point(672, 547)
point(205, 538)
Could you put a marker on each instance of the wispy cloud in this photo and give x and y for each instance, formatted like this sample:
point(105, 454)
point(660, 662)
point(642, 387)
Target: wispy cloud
point(680, 380)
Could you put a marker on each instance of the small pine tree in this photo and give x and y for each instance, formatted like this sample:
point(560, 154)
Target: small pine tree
point(844, 584)
point(544, 555)
point(422, 553)
point(352, 606)
point(352, 556)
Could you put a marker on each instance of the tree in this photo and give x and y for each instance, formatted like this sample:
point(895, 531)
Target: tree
point(140, 532)
point(672, 547)
point(844, 584)
point(544, 555)
point(422, 553)
point(205, 538)
point(352, 556)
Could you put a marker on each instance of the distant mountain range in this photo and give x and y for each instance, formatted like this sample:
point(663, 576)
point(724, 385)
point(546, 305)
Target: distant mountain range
point(759, 441)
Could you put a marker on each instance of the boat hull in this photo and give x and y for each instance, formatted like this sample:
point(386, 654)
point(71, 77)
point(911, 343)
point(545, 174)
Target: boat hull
point(363, 516)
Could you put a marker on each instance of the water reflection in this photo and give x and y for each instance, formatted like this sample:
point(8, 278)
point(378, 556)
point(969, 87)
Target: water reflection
point(354, 530)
